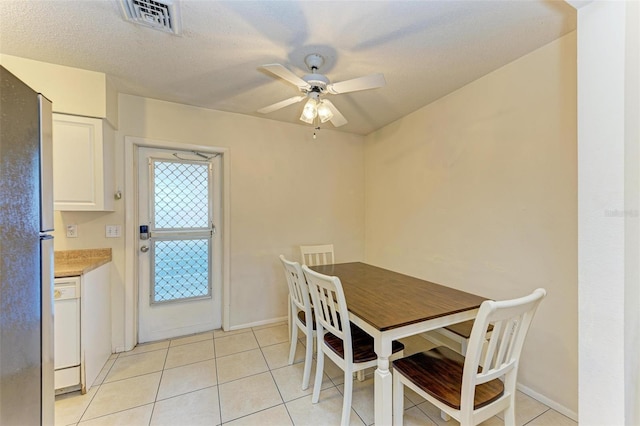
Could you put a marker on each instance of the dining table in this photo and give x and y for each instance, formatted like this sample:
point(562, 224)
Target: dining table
point(388, 306)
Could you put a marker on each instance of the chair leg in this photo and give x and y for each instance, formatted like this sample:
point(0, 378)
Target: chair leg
point(510, 412)
point(398, 400)
point(294, 343)
point(319, 371)
point(308, 360)
point(444, 416)
point(360, 375)
point(348, 393)
point(509, 416)
point(289, 319)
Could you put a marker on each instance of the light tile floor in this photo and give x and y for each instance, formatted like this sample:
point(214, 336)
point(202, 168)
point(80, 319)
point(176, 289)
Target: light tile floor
point(241, 378)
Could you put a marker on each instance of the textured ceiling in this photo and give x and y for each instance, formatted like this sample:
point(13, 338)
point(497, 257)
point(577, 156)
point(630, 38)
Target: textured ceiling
point(425, 49)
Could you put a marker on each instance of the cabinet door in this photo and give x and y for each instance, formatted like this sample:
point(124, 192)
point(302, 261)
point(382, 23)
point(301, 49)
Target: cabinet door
point(82, 161)
point(96, 323)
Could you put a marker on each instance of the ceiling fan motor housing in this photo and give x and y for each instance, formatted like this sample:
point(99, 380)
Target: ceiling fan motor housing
point(318, 82)
point(314, 61)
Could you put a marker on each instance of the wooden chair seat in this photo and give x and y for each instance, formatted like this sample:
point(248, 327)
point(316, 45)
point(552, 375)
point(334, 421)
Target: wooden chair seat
point(302, 317)
point(439, 373)
point(362, 345)
point(463, 329)
point(458, 333)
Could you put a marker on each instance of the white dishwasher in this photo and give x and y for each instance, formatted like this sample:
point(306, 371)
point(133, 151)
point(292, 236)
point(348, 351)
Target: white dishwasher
point(66, 293)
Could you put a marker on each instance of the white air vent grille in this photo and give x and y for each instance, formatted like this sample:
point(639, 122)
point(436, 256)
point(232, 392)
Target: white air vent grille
point(160, 15)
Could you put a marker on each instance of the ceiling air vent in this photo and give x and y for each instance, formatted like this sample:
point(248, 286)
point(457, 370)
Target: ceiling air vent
point(158, 14)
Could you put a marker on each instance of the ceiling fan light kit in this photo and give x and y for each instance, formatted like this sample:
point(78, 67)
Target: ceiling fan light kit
point(324, 112)
point(315, 108)
point(310, 111)
point(314, 86)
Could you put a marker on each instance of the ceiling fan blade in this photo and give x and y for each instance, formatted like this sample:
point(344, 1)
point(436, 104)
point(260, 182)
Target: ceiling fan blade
point(372, 81)
point(281, 104)
point(285, 74)
point(338, 119)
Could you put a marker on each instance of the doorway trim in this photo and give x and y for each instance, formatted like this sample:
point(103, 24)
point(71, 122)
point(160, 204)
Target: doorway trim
point(131, 145)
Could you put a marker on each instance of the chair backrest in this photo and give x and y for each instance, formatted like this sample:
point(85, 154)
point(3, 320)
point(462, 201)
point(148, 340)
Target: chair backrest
point(511, 320)
point(330, 307)
point(298, 289)
point(317, 254)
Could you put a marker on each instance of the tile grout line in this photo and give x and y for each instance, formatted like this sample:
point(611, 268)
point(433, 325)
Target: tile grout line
point(96, 393)
point(545, 411)
point(155, 399)
point(284, 404)
point(215, 358)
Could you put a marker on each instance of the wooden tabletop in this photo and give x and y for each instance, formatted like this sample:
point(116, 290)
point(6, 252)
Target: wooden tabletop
point(387, 299)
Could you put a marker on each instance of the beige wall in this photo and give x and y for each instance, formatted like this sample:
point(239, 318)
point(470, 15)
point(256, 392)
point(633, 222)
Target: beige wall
point(72, 90)
point(478, 191)
point(286, 189)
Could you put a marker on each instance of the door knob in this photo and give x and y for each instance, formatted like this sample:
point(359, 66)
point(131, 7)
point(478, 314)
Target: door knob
point(144, 249)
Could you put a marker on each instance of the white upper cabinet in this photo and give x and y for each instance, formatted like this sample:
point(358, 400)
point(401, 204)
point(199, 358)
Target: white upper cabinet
point(83, 176)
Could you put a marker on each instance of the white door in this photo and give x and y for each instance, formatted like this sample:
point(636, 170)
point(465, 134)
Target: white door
point(179, 255)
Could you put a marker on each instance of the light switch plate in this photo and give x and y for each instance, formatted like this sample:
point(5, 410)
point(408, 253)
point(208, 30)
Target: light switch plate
point(112, 231)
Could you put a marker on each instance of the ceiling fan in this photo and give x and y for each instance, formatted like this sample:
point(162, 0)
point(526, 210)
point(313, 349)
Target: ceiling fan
point(315, 87)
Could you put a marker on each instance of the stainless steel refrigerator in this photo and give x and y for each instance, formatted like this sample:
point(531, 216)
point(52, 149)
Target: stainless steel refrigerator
point(26, 255)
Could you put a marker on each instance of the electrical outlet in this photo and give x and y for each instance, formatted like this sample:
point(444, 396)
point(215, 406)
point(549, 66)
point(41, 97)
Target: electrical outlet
point(72, 231)
point(112, 231)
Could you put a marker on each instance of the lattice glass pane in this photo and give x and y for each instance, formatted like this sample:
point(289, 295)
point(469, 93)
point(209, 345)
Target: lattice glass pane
point(181, 195)
point(181, 269)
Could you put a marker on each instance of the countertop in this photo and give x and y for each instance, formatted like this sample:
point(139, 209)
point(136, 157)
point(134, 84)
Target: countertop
point(73, 263)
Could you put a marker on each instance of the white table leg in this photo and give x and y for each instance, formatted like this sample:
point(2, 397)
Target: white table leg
point(383, 384)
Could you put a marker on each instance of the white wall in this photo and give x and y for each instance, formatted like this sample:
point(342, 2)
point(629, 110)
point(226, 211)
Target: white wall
point(478, 191)
point(609, 240)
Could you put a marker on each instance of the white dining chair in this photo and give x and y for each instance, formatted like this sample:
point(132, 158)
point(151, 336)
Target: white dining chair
point(474, 388)
point(302, 315)
point(348, 346)
point(321, 254)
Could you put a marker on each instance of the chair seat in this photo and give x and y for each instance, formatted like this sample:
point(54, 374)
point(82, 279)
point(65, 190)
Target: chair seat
point(463, 329)
point(302, 318)
point(438, 372)
point(362, 345)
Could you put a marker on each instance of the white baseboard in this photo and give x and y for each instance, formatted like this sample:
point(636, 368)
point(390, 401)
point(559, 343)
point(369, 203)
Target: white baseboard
point(548, 402)
point(258, 323)
point(119, 349)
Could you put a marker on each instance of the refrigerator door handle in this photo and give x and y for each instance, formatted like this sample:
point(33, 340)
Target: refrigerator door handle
point(46, 164)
